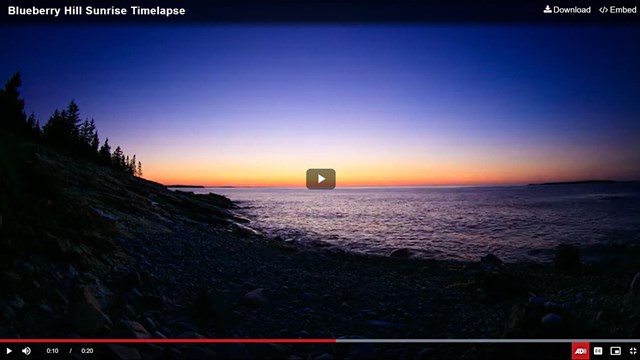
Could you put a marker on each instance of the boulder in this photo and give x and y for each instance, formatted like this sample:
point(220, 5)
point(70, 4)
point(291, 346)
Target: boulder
point(551, 320)
point(87, 316)
point(133, 329)
point(255, 297)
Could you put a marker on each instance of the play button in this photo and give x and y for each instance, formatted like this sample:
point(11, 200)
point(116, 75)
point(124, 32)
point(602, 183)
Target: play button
point(321, 179)
point(8, 351)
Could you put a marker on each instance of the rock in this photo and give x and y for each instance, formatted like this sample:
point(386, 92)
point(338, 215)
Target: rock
point(123, 352)
point(534, 321)
point(567, 259)
point(133, 329)
point(159, 335)
point(16, 302)
point(631, 300)
point(255, 297)
point(537, 300)
point(8, 313)
point(149, 323)
point(46, 309)
point(87, 316)
point(72, 271)
point(60, 299)
point(551, 319)
point(190, 335)
point(491, 261)
point(403, 253)
point(324, 356)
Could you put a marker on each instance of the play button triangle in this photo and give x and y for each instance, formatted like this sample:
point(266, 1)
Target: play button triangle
point(320, 178)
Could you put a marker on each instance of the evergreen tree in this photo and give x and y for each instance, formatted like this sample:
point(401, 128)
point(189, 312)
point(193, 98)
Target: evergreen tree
point(55, 131)
point(117, 158)
point(88, 140)
point(104, 155)
point(33, 126)
point(12, 116)
point(95, 143)
point(72, 117)
point(64, 130)
point(132, 165)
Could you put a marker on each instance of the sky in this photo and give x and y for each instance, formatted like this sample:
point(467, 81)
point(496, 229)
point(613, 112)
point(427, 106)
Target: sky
point(383, 105)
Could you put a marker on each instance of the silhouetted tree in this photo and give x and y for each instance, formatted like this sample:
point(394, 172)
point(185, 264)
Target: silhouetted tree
point(104, 155)
point(64, 130)
point(33, 127)
point(95, 143)
point(55, 131)
point(117, 158)
point(12, 116)
point(88, 140)
point(133, 170)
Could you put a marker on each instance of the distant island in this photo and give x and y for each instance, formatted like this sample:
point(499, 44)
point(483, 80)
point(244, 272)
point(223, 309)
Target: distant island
point(582, 182)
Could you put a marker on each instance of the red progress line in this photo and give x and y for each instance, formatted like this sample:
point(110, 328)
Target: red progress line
point(207, 341)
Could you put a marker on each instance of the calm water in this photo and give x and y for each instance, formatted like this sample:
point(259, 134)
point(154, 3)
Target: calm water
point(516, 223)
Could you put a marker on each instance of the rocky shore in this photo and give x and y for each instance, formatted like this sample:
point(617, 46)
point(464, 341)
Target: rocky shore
point(95, 254)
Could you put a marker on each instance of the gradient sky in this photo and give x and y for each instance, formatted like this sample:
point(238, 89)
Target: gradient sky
point(383, 105)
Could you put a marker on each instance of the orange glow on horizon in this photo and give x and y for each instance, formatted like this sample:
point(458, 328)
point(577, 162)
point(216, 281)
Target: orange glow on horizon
point(395, 175)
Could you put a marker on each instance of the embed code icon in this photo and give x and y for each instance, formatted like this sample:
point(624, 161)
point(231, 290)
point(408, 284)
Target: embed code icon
point(321, 179)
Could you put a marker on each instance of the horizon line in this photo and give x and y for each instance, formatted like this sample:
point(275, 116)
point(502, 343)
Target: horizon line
point(575, 182)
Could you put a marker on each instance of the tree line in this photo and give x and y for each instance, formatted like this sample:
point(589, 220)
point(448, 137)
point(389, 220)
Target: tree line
point(64, 131)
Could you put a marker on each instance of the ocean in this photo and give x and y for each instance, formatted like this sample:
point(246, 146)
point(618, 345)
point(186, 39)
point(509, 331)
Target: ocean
point(516, 223)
